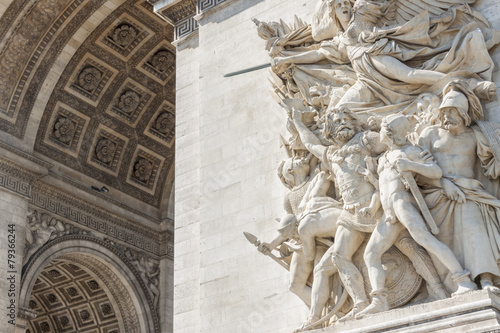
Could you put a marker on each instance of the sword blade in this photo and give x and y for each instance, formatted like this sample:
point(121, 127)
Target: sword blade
point(420, 201)
point(247, 70)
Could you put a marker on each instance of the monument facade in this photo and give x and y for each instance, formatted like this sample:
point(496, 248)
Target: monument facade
point(382, 121)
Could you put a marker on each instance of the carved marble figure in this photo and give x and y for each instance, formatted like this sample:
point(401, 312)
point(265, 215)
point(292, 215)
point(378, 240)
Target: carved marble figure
point(466, 214)
point(396, 63)
point(309, 214)
point(402, 211)
point(361, 206)
point(348, 83)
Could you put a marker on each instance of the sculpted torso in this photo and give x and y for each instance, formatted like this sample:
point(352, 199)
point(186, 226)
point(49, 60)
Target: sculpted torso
point(391, 186)
point(353, 185)
point(455, 154)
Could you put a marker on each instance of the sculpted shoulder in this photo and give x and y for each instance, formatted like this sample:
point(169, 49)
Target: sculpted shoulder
point(371, 140)
point(413, 152)
point(430, 131)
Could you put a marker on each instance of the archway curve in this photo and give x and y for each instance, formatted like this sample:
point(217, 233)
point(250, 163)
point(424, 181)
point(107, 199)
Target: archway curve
point(69, 247)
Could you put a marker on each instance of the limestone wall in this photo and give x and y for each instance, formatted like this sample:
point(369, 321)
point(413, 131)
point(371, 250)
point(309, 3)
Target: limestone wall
point(13, 210)
point(228, 149)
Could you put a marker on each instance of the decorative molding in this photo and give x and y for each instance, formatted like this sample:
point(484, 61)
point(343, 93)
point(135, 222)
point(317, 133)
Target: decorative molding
point(183, 15)
point(205, 5)
point(185, 27)
point(30, 37)
point(148, 268)
point(175, 12)
point(105, 274)
point(26, 313)
point(21, 181)
point(91, 217)
point(16, 179)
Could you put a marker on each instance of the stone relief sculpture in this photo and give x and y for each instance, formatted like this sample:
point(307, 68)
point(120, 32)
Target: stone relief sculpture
point(389, 146)
point(472, 226)
point(395, 168)
point(43, 228)
point(149, 269)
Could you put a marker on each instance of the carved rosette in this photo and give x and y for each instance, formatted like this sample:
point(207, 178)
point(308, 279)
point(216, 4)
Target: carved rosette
point(106, 309)
point(162, 61)
point(64, 130)
point(165, 123)
point(89, 78)
point(143, 169)
point(105, 150)
point(124, 34)
point(129, 101)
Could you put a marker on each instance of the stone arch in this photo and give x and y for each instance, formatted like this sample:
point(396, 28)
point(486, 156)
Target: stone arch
point(123, 282)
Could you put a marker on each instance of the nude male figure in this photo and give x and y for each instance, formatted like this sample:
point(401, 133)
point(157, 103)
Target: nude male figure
point(401, 212)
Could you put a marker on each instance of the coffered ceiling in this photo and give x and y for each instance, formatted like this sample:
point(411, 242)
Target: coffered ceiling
point(89, 86)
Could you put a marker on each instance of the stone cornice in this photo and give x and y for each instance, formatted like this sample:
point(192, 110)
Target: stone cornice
point(184, 14)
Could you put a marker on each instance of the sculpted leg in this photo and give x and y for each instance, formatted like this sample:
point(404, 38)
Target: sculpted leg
point(300, 269)
point(321, 224)
point(321, 286)
point(306, 232)
point(382, 238)
point(346, 244)
point(423, 264)
point(411, 218)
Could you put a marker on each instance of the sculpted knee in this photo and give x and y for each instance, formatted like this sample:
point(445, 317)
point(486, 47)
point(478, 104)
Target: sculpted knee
point(304, 229)
point(370, 257)
point(338, 259)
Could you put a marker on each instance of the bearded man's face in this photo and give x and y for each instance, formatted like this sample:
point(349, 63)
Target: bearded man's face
point(452, 119)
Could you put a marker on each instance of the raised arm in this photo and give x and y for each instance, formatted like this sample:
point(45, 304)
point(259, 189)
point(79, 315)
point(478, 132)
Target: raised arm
point(310, 141)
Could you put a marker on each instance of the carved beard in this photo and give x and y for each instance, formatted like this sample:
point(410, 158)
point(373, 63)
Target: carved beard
point(451, 124)
point(344, 133)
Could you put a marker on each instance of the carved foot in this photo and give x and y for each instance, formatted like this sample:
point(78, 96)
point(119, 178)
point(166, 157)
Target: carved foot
point(488, 285)
point(483, 89)
point(464, 282)
point(307, 325)
point(379, 303)
point(438, 291)
point(358, 307)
